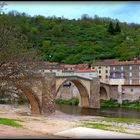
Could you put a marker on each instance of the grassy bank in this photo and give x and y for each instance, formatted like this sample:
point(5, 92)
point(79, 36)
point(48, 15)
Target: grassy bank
point(10, 122)
point(121, 120)
point(103, 126)
point(112, 124)
point(104, 104)
point(126, 104)
point(73, 101)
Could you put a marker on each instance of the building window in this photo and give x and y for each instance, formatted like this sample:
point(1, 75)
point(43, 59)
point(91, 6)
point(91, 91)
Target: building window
point(106, 76)
point(122, 75)
point(113, 68)
point(99, 67)
point(122, 68)
point(130, 74)
point(100, 77)
point(130, 67)
point(99, 71)
point(130, 81)
point(113, 75)
point(106, 71)
point(123, 89)
point(131, 89)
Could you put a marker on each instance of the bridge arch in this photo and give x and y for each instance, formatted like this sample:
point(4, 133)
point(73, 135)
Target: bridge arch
point(84, 101)
point(32, 98)
point(104, 93)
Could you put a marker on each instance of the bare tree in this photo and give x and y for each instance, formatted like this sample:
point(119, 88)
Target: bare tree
point(14, 55)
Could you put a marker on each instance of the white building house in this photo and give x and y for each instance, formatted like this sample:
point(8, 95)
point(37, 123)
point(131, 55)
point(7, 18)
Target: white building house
point(88, 73)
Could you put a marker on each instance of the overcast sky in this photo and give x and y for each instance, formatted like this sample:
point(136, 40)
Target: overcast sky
point(125, 11)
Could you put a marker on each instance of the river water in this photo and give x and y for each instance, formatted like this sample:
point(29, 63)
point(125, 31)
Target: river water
point(104, 112)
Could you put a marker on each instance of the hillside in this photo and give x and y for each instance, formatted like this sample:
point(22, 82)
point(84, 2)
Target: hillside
point(77, 41)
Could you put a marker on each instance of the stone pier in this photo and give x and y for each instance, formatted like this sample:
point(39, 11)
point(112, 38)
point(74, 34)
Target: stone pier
point(95, 93)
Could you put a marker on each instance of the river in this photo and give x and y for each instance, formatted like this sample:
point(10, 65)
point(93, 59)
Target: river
point(104, 112)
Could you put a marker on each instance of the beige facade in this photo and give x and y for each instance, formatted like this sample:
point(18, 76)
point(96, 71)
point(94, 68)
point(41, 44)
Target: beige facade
point(103, 68)
point(103, 72)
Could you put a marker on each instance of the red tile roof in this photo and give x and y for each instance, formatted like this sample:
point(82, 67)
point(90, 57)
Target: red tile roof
point(81, 66)
point(125, 63)
point(68, 66)
point(115, 62)
point(105, 62)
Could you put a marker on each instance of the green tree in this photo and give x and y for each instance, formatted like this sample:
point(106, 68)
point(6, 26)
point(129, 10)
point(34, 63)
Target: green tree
point(111, 29)
point(117, 28)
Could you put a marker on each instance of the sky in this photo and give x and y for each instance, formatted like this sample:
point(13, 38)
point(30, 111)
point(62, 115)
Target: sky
point(125, 11)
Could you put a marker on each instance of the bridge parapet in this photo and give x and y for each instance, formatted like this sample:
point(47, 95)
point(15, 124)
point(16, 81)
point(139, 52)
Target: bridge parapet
point(74, 74)
point(65, 74)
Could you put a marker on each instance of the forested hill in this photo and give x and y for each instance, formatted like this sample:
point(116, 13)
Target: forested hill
point(78, 41)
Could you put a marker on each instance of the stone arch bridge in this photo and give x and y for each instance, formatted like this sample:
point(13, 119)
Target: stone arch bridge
point(41, 91)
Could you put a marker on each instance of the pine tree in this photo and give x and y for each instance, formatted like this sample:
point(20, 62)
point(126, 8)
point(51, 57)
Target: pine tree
point(117, 28)
point(111, 29)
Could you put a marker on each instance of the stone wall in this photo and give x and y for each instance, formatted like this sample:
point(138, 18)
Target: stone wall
point(95, 93)
point(114, 92)
point(68, 92)
point(49, 94)
point(130, 93)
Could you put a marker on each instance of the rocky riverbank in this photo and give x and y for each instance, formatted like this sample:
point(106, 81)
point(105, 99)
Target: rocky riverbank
point(47, 126)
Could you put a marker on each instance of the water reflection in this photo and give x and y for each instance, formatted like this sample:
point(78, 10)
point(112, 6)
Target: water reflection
point(105, 112)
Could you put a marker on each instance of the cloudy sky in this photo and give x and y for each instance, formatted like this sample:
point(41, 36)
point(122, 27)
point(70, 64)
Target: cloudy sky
point(125, 11)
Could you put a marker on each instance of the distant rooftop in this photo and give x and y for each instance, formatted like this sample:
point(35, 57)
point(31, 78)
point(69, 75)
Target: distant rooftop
point(115, 62)
point(88, 70)
point(105, 62)
point(125, 63)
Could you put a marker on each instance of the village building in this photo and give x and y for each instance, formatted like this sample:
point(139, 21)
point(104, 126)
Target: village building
point(123, 74)
point(52, 67)
point(126, 74)
point(103, 68)
point(87, 73)
point(128, 70)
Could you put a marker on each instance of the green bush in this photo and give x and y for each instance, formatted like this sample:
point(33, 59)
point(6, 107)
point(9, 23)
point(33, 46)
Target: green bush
point(73, 101)
point(125, 104)
point(109, 103)
point(128, 104)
